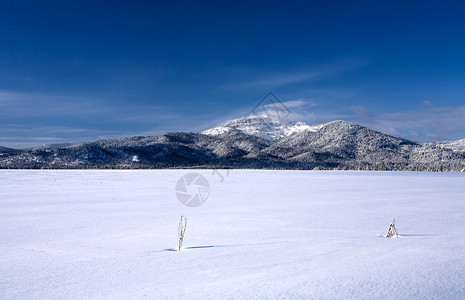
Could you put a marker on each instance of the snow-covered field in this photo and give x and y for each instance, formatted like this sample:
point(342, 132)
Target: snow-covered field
point(261, 234)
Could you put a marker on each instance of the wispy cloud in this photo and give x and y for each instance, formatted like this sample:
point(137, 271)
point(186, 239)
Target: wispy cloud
point(275, 80)
point(40, 104)
point(24, 105)
point(293, 104)
point(426, 123)
point(433, 123)
point(28, 119)
point(30, 135)
point(267, 81)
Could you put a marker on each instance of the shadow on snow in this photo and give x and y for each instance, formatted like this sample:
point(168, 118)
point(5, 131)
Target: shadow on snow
point(218, 246)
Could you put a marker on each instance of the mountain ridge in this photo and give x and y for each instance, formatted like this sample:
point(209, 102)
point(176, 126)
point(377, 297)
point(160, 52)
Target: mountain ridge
point(263, 127)
point(251, 142)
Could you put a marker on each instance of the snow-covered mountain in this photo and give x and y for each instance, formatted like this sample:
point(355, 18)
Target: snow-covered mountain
point(57, 145)
point(6, 150)
point(252, 142)
point(458, 145)
point(262, 127)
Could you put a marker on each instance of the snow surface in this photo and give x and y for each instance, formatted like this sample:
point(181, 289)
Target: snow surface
point(261, 234)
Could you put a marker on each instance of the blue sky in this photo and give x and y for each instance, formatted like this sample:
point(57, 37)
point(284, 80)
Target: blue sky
point(80, 71)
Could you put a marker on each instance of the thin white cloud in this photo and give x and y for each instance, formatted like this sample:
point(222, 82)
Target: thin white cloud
point(435, 122)
point(274, 81)
point(33, 129)
point(267, 81)
point(24, 105)
point(299, 103)
point(25, 136)
point(427, 123)
point(16, 104)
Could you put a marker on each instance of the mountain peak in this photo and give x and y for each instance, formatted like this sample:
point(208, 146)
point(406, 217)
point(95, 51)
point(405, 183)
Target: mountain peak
point(342, 123)
point(251, 142)
point(263, 127)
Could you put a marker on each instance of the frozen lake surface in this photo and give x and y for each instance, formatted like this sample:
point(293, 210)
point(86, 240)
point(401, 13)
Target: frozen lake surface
point(260, 234)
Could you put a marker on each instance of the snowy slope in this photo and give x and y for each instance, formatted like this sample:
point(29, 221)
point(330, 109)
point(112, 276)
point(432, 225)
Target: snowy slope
point(458, 145)
point(7, 150)
point(250, 142)
point(261, 234)
point(262, 127)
